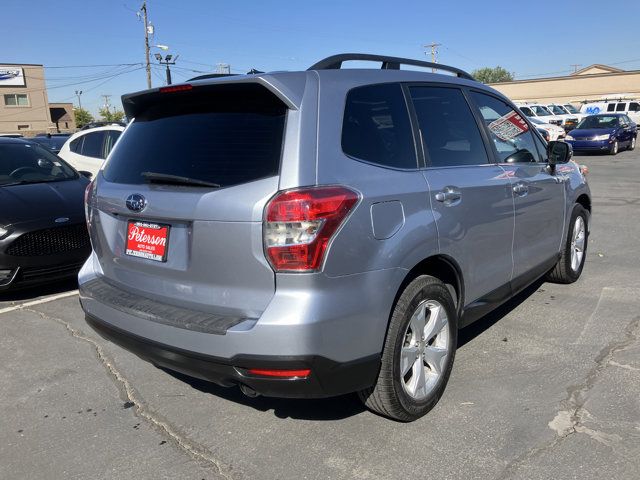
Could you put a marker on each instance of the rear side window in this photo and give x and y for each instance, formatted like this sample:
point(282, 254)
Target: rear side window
point(449, 131)
point(224, 134)
point(376, 126)
point(110, 140)
point(634, 107)
point(92, 146)
point(611, 107)
point(621, 107)
point(76, 145)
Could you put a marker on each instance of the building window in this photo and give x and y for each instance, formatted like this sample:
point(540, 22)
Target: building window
point(16, 100)
point(24, 127)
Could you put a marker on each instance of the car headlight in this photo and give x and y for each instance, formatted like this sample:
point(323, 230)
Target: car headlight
point(568, 137)
point(598, 138)
point(3, 232)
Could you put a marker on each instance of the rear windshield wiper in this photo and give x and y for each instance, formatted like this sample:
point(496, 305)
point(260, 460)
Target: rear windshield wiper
point(154, 177)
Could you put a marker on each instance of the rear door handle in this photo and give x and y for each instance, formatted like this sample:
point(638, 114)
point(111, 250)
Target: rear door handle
point(448, 195)
point(520, 189)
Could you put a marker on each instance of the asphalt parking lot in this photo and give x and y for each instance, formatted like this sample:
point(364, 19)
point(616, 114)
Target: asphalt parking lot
point(547, 387)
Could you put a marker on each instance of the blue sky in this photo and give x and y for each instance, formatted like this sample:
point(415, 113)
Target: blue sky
point(527, 38)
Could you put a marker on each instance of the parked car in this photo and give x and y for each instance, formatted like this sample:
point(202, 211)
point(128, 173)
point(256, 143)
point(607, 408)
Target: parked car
point(569, 120)
point(609, 132)
point(541, 112)
point(553, 132)
point(43, 234)
point(53, 142)
point(630, 107)
point(102, 124)
point(251, 232)
point(87, 149)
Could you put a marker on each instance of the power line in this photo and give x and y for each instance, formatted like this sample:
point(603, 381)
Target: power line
point(93, 66)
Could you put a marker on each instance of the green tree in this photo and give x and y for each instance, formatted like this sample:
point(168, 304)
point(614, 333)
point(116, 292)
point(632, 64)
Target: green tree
point(109, 116)
point(82, 117)
point(492, 75)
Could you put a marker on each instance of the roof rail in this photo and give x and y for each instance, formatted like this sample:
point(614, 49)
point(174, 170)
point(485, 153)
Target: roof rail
point(388, 63)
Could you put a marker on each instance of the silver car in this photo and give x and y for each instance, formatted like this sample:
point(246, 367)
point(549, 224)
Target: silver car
point(316, 233)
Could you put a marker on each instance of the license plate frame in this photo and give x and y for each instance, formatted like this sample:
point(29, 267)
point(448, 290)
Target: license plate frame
point(144, 240)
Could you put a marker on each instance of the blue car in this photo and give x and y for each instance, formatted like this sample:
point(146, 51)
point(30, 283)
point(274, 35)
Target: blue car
point(604, 133)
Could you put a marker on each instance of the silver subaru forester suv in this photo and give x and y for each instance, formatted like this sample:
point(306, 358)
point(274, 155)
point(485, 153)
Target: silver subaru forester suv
point(317, 233)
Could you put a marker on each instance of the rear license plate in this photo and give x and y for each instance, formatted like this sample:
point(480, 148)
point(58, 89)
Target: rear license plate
point(147, 240)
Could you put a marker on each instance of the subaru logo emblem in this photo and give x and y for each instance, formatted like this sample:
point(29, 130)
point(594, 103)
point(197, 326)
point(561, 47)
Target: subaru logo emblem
point(136, 202)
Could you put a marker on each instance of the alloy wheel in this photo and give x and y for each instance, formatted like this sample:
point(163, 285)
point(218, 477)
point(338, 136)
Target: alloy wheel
point(577, 243)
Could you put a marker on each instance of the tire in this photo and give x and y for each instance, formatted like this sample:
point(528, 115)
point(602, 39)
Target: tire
point(613, 150)
point(406, 398)
point(632, 145)
point(567, 270)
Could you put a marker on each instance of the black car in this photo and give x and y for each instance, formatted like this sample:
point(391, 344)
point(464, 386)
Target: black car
point(43, 233)
point(52, 142)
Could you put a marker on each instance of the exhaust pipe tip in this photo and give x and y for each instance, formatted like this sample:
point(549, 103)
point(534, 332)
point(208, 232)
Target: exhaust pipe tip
point(248, 391)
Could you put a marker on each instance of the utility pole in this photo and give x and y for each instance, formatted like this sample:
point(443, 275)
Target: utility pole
point(223, 68)
point(167, 61)
point(575, 66)
point(79, 94)
point(434, 52)
point(146, 41)
point(106, 102)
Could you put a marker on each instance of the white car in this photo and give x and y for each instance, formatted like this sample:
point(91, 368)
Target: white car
point(555, 132)
point(569, 120)
point(540, 111)
point(87, 149)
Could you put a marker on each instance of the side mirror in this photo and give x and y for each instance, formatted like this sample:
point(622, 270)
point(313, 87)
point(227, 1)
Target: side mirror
point(86, 174)
point(559, 152)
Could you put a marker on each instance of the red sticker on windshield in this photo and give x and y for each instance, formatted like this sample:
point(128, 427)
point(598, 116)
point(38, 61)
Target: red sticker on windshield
point(508, 126)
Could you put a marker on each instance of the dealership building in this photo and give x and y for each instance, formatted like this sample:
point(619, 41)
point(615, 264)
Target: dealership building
point(591, 83)
point(24, 104)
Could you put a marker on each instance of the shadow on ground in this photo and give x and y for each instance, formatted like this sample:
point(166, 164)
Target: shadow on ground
point(30, 293)
point(345, 406)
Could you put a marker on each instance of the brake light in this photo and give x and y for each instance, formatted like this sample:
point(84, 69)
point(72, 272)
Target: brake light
point(280, 373)
point(176, 88)
point(88, 193)
point(299, 225)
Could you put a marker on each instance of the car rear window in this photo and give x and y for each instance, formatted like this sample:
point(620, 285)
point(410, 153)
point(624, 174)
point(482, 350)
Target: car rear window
point(227, 135)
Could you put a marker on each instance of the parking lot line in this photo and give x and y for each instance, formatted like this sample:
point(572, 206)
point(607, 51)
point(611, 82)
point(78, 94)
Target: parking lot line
point(39, 301)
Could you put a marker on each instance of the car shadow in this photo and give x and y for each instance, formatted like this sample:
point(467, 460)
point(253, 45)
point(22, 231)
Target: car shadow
point(345, 406)
point(36, 291)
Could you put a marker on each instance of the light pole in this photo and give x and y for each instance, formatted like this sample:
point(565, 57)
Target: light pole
point(79, 94)
point(167, 61)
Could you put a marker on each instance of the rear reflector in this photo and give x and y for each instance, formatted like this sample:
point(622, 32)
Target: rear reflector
point(299, 225)
point(176, 88)
point(280, 373)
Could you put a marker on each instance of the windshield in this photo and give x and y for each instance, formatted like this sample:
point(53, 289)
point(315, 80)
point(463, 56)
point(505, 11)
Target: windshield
point(30, 163)
point(555, 109)
point(540, 111)
point(598, 121)
point(571, 108)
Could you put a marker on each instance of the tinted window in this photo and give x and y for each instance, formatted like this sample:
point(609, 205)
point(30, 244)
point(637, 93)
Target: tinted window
point(611, 107)
point(508, 130)
point(76, 145)
point(634, 107)
point(110, 140)
point(449, 131)
point(227, 135)
point(621, 107)
point(527, 111)
point(376, 126)
point(92, 146)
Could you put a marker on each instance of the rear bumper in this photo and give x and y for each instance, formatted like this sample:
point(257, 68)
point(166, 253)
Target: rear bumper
point(334, 326)
point(327, 378)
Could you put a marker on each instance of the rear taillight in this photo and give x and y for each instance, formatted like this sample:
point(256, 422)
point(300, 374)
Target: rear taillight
point(88, 194)
point(304, 373)
point(299, 225)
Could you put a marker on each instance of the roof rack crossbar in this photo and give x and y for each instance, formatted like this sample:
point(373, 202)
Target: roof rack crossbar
point(388, 63)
